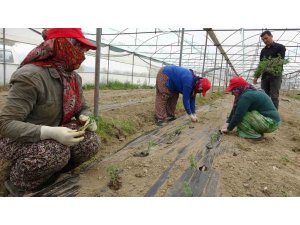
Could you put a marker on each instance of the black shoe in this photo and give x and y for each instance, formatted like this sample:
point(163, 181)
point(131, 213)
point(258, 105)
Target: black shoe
point(256, 140)
point(160, 122)
point(13, 190)
point(171, 118)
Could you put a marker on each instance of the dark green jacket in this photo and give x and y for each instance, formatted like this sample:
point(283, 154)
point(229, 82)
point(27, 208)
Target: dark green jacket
point(252, 100)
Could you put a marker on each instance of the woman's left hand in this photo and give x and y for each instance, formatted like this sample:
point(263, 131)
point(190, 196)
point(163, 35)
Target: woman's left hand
point(224, 130)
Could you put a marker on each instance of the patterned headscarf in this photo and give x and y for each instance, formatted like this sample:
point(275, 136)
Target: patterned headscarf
point(60, 54)
point(196, 83)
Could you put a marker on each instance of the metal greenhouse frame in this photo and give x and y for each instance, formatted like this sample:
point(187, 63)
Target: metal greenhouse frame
point(135, 55)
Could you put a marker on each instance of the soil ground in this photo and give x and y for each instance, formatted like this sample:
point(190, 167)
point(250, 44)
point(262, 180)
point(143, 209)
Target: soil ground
point(236, 167)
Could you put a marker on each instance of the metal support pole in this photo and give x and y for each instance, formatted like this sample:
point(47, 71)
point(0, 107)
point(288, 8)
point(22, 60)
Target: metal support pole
point(226, 74)
point(181, 46)
point(243, 44)
point(220, 73)
point(213, 81)
point(200, 54)
point(132, 68)
point(171, 51)
point(289, 86)
point(97, 71)
point(149, 72)
point(296, 53)
point(4, 59)
point(136, 33)
point(204, 54)
point(108, 58)
point(284, 83)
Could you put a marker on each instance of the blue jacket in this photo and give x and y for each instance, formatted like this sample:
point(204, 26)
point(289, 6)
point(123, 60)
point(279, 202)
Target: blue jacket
point(181, 81)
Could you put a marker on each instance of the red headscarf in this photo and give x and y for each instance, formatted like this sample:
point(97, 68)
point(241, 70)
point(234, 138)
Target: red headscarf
point(60, 54)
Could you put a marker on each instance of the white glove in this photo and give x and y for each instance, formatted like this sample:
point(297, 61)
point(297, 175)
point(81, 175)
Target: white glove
point(63, 135)
point(92, 126)
point(224, 128)
point(193, 118)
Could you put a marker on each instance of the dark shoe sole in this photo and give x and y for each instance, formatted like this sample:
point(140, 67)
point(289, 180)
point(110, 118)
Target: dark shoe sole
point(171, 118)
point(256, 140)
point(161, 122)
point(13, 191)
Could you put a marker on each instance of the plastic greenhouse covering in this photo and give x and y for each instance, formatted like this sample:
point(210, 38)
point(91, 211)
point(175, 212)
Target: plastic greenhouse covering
point(135, 55)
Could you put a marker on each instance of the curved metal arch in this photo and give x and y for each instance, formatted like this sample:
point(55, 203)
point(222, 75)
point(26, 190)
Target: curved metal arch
point(281, 35)
point(164, 33)
point(167, 32)
point(175, 52)
point(254, 46)
point(247, 39)
point(240, 42)
point(198, 50)
point(294, 37)
point(257, 49)
point(229, 36)
point(254, 50)
point(170, 53)
point(162, 48)
point(117, 36)
point(288, 67)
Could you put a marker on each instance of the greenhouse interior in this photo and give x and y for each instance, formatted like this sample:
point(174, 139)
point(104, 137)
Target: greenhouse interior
point(184, 153)
point(135, 55)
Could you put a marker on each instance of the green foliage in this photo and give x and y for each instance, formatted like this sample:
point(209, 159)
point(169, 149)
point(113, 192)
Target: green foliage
point(126, 125)
point(193, 163)
point(285, 160)
point(107, 128)
point(150, 145)
point(273, 66)
point(179, 105)
point(215, 136)
point(200, 100)
point(88, 86)
point(187, 189)
point(292, 94)
point(104, 127)
point(116, 85)
point(217, 94)
point(112, 171)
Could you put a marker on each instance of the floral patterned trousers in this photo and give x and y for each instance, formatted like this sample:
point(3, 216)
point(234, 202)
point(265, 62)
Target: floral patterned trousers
point(165, 100)
point(34, 163)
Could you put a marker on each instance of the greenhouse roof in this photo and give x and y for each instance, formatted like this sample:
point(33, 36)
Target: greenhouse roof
point(204, 50)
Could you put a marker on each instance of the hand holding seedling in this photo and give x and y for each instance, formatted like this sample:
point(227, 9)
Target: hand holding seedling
point(88, 123)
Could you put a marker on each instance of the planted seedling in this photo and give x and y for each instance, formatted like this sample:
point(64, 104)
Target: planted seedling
point(214, 140)
point(187, 189)
point(193, 163)
point(145, 153)
point(150, 145)
point(115, 180)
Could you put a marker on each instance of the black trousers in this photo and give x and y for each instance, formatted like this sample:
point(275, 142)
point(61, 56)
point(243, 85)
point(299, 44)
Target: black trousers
point(271, 85)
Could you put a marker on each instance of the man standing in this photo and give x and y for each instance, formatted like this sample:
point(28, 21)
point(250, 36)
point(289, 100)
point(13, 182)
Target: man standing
point(271, 79)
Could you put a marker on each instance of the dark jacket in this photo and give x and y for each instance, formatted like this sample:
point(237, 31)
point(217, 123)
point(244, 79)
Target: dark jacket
point(272, 51)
